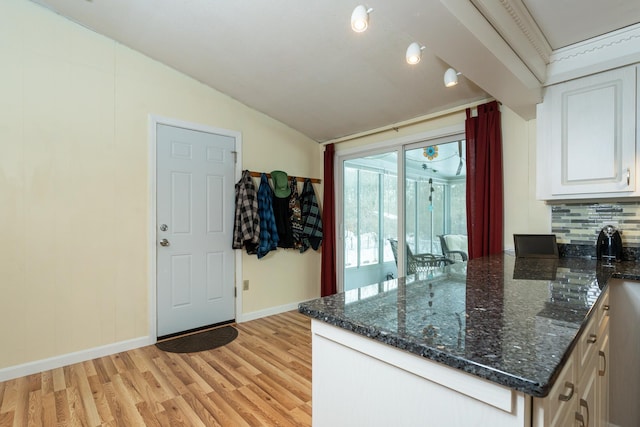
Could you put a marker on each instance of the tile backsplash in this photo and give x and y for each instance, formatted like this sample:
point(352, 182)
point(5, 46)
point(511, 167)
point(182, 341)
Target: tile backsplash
point(577, 225)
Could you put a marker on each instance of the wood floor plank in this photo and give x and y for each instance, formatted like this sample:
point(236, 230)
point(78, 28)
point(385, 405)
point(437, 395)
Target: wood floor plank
point(198, 408)
point(61, 406)
point(80, 380)
point(21, 409)
point(233, 408)
point(149, 417)
point(49, 417)
point(100, 399)
point(185, 367)
point(89, 368)
point(46, 382)
point(77, 413)
point(6, 419)
point(271, 414)
point(148, 388)
point(10, 396)
point(219, 415)
point(34, 417)
point(262, 378)
point(127, 412)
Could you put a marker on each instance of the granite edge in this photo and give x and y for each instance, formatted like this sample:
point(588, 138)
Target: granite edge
point(422, 350)
point(533, 388)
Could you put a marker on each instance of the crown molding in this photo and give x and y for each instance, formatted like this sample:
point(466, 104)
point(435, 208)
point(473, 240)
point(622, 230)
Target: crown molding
point(612, 50)
point(511, 19)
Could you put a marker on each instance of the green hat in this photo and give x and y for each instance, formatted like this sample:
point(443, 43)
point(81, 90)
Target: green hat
point(280, 184)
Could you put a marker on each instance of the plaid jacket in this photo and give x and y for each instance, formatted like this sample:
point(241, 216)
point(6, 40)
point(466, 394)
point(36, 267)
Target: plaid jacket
point(246, 228)
point(311, 219)
point(268, 230)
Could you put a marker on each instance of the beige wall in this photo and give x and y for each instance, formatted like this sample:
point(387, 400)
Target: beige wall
point(74, 189)
point(522, 212)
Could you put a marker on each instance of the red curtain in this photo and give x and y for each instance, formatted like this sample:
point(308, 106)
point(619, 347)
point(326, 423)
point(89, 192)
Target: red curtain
point(328, 268)
point(484, 181)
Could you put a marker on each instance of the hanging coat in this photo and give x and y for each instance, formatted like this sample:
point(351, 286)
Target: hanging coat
point(311, 219)
point(268, 230)
point(296, 215)
point(283, 221)
point(246, 228)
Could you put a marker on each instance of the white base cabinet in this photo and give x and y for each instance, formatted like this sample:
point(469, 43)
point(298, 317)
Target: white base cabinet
point(587, 142)
point(580, 395)
point(358, 381)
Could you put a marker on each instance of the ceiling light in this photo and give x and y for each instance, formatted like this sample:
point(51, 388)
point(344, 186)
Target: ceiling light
point(360, 18)
point(451, 77)
point(414, 53)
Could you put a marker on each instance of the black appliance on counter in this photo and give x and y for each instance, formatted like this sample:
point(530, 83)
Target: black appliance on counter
point(609, 245)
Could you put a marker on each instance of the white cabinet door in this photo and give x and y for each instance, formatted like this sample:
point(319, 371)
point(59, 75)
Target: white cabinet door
point(587, 137)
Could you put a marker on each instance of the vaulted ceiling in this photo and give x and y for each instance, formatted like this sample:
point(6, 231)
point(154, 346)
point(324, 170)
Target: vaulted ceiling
point(300, 62)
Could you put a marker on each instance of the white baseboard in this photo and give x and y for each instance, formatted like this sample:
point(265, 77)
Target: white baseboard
point(68, 359)
point(267, 312)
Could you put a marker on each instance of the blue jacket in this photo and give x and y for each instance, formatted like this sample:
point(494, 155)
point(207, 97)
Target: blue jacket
point(268, 230)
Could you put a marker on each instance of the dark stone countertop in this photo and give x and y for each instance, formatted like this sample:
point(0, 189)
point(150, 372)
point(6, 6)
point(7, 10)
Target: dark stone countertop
point(511, 321)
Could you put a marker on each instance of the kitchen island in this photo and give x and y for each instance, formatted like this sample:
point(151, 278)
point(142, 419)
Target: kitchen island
point(477, 343)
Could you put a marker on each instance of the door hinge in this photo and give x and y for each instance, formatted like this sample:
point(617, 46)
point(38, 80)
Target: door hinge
point(235, 156)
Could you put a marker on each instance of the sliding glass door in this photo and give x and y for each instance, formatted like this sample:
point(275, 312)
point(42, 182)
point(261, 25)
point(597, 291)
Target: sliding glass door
point(396, 205)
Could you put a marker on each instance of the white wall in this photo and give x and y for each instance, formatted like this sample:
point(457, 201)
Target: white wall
point(74, 191)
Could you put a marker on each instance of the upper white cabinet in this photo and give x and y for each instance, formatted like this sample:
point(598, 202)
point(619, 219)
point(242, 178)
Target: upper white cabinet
point(587, 137)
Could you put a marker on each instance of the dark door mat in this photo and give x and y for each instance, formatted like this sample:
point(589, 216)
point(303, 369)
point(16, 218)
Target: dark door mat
point(201, 341)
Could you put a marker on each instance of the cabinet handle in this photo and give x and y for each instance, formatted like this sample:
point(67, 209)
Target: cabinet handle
point(601, 372)
point(584, 404)
point(628, 177)
point(567, 397)
point(580, 418)
point(592, 338)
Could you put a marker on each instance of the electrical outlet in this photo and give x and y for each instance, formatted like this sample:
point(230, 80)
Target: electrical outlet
point(245, 285)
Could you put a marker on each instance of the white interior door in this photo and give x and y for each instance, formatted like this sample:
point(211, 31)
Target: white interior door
point(195, 208)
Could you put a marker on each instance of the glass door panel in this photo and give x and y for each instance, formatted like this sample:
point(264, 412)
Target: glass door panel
point(370, 218)
point(435, 193)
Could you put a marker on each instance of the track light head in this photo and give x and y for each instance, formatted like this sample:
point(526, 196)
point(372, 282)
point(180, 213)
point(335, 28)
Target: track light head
point(451, 77)
point(360, 18)
point(414, 53)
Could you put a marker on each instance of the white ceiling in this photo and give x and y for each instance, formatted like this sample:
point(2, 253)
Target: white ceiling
point(300, 63)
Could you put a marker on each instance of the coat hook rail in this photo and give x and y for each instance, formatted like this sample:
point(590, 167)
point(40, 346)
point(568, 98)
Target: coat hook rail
point(300, 179)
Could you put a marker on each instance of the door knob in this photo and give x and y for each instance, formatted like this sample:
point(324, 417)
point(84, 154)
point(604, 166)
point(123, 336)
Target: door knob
point(164, 242)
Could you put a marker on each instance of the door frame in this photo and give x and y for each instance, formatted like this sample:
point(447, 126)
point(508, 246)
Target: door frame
point(155, 120)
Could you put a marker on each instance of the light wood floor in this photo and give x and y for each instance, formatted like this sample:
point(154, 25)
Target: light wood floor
point(262, 378)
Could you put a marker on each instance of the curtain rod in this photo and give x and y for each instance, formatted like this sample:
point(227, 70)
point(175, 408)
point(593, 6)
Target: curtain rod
point(298, 178)
point(397, 126)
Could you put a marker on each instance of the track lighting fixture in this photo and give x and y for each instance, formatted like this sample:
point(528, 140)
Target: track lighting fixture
point(360, 18)
point(414, 53)
point(451, 77)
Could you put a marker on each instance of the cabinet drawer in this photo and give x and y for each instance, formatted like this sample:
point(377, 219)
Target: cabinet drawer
point(588, 343)
point(563, 396)
point(603, 307)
